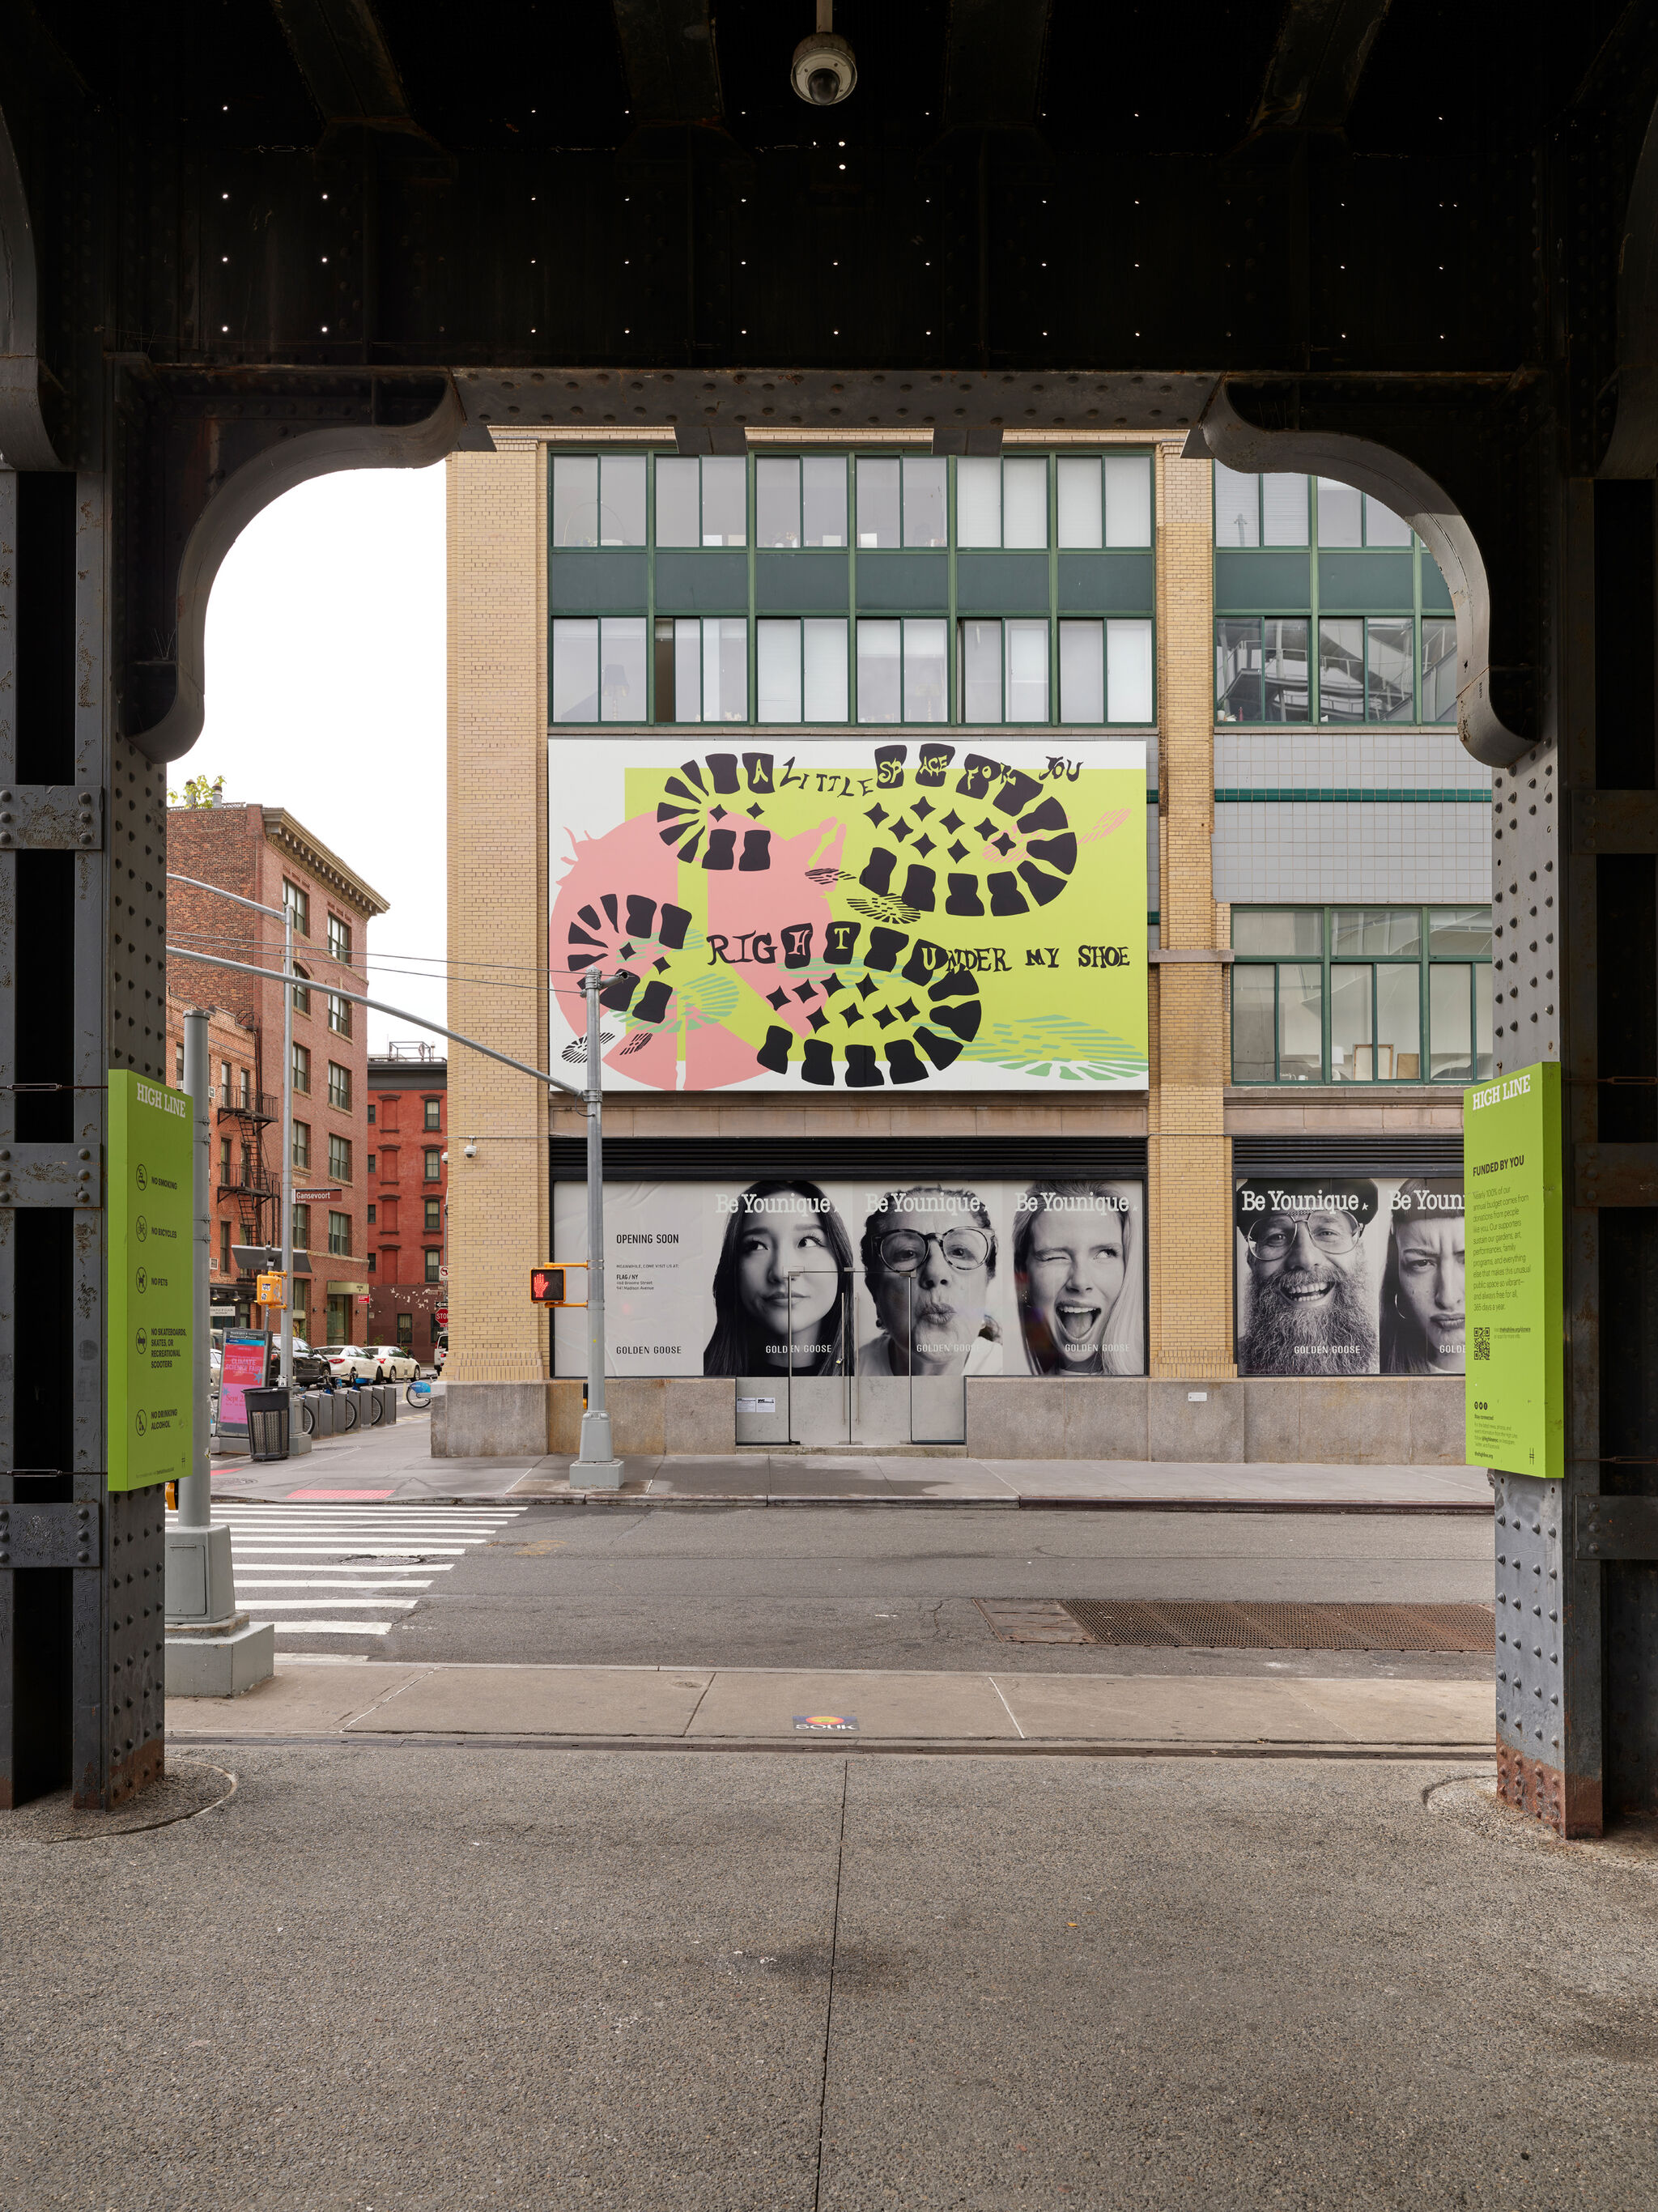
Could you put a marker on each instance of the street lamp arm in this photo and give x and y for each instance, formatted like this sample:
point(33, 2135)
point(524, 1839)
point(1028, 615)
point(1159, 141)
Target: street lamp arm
point(379, 1006)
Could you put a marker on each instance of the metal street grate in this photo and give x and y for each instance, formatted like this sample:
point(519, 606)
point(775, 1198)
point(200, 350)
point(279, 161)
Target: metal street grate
point(1220, 1625)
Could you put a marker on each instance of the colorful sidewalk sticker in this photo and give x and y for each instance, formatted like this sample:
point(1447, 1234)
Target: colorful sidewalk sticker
point(845, 913)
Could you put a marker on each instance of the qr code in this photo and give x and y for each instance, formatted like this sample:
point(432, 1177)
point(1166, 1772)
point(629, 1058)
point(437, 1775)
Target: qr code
point(1482, 1344)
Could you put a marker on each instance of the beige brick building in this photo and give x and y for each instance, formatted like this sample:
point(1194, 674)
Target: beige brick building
point(1311, 973)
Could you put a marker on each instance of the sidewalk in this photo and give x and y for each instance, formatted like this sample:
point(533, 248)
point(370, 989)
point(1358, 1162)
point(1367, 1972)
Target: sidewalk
point(739, 1708)
point(395, 1464)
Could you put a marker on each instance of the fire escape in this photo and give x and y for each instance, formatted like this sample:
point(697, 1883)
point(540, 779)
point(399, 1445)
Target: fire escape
point(243, 1179)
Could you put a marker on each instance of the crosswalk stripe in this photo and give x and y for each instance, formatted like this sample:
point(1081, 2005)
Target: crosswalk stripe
point(309, 1554)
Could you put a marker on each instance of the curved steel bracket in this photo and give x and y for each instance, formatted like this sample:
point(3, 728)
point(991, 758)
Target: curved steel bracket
point(26, 384)
point(286, 459)
point(1223, 435)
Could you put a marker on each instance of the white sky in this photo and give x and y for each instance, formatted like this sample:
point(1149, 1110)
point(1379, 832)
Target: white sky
point(325, 694)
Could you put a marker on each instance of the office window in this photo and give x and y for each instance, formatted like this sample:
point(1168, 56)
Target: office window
point(1105, 671)
point(301, 1143)
point(702, 502)
point(339, 1232)
point(1366, 669)
point(434, 1216)
point(901, 676)
point(1438, 670)
point(1349, 994)
point(802, 674)
point(371, 1163)
point(1348, 517)
point(339, 938)
point(339, 1159)
point(244, 1089)
point(598, 669)
point(224, 1157)
point(297, 903)
point(434, 1263)
point(300, 1229)
point(1260, 669)
point(800, 501)
point(702, 669)
point(224, 1248)
point(1259, 510)
point(1002, 502)
point(301, 996)
point(405, 1332)
point(433, 1112)
point(339, 1014)
point(1104, 500)
point(177, 1066)
point(368, 1263)
point(434, 1164)
point(599, 499)
point(224, 1082)
point(901, 500)
point(339, 1087)
point(1003, 672)
point(371, 1113)
point(301, 1069)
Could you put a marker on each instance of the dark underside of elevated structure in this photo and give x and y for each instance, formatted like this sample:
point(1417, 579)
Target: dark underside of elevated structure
point(248, 242)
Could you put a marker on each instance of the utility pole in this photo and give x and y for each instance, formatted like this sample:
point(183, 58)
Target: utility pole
point(596, 1467)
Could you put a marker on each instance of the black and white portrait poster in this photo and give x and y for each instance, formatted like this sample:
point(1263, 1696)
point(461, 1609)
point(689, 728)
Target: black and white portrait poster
point(784, 1275)
point(1349, 1275)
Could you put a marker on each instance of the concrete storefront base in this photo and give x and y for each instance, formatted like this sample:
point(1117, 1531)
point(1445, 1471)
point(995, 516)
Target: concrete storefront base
point(1362, 1420)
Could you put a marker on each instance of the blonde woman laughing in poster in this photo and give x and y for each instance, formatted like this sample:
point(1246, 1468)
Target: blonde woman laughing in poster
point(1077, 1264)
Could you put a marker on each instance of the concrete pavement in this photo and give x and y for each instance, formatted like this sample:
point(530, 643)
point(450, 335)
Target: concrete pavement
point(737, 1706)
point(384, 1978)
point(395, 1463)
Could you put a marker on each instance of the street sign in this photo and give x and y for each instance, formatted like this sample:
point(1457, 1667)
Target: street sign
point(441, 1316)
point(1516, 1312)
point(309, 1195)
point(443, 1274)
point(549, 1285)
point(151, 1250)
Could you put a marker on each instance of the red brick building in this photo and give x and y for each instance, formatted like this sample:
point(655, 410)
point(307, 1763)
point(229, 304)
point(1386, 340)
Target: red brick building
point(264, 854)
point(408, 1198)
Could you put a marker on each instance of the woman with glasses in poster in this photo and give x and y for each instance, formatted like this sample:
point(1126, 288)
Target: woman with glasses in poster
point(1423, 1304)
point(929, 1255)
point(1076, 1265)
point(780, 1286)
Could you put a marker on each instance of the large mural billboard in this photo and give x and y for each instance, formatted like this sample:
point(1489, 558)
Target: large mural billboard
point(851, 913)
point(786, 1276)
point(1345, 1274)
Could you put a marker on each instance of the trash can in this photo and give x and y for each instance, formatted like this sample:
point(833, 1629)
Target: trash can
point(267, 1424)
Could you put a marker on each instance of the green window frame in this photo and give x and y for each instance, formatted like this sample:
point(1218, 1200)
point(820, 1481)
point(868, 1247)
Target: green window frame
point(1360, 995)
point(1307, 664)
point(612, 661)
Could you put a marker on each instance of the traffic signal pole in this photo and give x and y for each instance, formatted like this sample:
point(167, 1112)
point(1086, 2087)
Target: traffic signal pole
point(596, 1467)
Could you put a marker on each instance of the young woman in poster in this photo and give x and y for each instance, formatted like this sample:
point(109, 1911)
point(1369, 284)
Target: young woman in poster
point(778, 1289)
point(1076, 1266)
point(1424, 1306)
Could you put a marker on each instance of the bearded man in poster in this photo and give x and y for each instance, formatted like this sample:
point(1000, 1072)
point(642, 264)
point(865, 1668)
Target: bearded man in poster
point(1311, 1300)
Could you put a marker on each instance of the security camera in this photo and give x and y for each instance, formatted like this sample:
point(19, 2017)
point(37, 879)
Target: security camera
point(469, 1151)
point(823, 70)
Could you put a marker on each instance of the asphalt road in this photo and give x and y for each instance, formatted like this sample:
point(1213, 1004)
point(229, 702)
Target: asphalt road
point(884, 1587)
point(430, 1981)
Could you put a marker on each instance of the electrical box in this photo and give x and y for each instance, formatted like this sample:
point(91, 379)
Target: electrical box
point(271, 1290)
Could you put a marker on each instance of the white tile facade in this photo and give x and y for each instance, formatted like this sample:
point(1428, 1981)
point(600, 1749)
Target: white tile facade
point(1322, 846)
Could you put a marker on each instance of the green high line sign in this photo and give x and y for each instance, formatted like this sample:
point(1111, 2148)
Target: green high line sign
point(1517, 1328)
point(151, 1253)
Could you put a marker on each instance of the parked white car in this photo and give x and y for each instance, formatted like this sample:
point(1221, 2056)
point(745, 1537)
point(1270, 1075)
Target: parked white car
point(346, 1360)
point(393, 1362)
